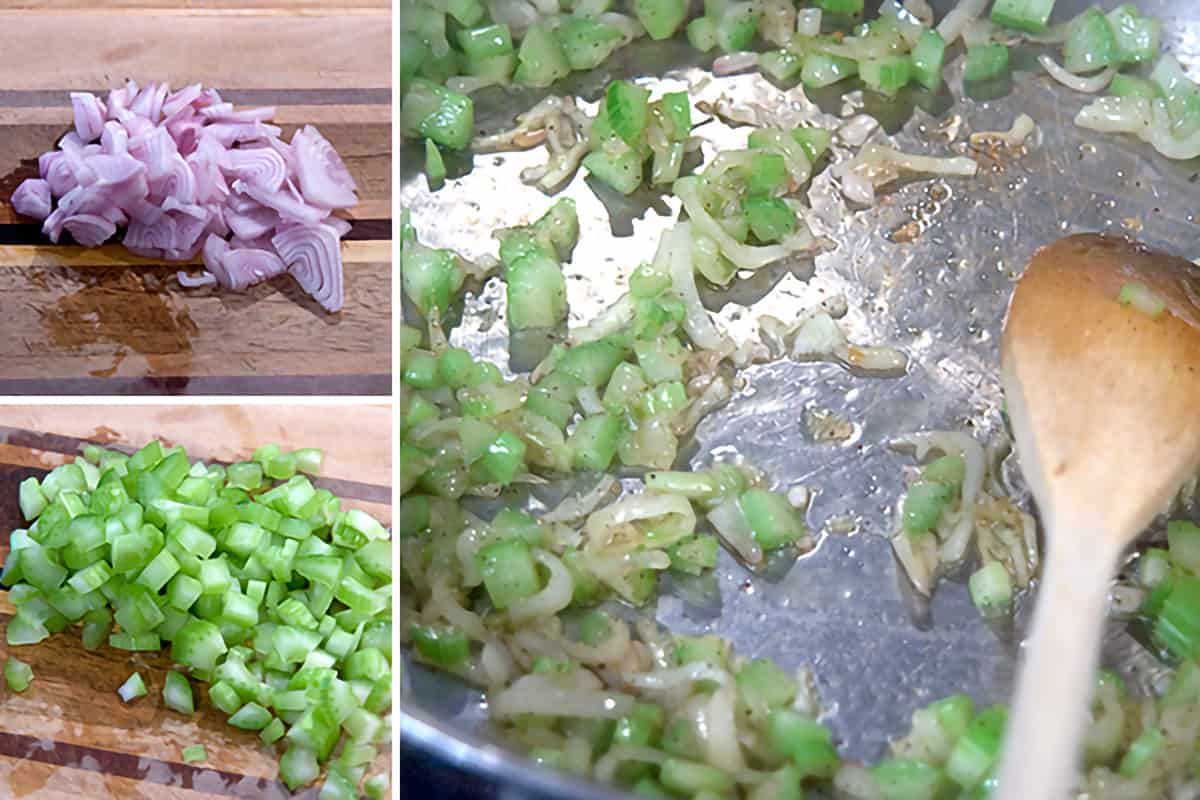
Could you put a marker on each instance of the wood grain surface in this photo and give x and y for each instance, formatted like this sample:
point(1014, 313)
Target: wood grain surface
point(109, 323)
point(69, 735)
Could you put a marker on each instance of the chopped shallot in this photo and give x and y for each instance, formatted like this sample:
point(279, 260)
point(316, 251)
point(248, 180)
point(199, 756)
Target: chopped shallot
point(185, 173)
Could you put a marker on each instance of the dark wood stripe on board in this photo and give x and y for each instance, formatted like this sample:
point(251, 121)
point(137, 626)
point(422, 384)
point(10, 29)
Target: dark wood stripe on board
point(148, 770)
point(21, 233)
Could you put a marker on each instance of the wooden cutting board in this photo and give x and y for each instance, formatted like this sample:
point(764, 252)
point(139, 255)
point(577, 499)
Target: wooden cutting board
point(69, 736)
point(104, 322)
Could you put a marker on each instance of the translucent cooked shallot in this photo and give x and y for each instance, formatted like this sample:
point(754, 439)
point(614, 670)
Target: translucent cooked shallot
point(187, 175)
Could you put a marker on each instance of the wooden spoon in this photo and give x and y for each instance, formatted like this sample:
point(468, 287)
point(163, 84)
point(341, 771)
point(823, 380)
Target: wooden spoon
point(1102, 398)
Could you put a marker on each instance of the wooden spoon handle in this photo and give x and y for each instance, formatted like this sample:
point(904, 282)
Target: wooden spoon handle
point(1041, 748)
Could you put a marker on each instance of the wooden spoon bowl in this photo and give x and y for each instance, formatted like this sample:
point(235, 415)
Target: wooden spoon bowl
point(1102, 399)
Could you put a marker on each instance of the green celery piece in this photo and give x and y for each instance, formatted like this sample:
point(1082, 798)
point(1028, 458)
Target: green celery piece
point(692, 777)
point(985, 61)
point(251, 717)
point(298, 766)
point(821, 69)
point(924, 505)
point(937, 727)
point(977, 750)
point(771, 219)
point(772, 518)
point(1183, 541)
point(435, 167)
point(627, 108)
point(177, 693)
point(133, 688)
point(540, 60)
point(486, 41)
point(1138, 38)
point(509, 572)
point(695, 555)
point(737, 25)
point(806, 743)
point(198, 645)
point(991, 589)
point(1177, 620)
point(674, 111)
point(846, 8)
point(592, 363)
point(660, 18)
point(586, 43)
point(505, 458)
point(1090, 43)
point(887, 75)
point(594, 628)
point(767, 173)
point(949, 469)
point(782, 65)
point(537, 292)
point(594, 441)
point(1132, 86)
point(194, 754)
point(762, 686)
point(430, 278)
point(702, 33)
point(31, 499)
point(909, 779)
point(17, 674)
point(813, 141)
point(1141, 750)
point(708, 649)
point(435, 112)
point(621, 170)
point(1025, 15)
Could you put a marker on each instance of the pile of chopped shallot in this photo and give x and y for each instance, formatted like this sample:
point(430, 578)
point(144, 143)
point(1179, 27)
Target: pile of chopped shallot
point(185, 174)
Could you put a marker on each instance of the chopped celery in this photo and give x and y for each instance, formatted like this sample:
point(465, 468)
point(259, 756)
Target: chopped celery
point(991, 589)
point(985, 61)
point(437, 113)
point(1026, 15)
point(537, 292)
point(691, 777)
point(594, 441)
point(1183, 540)
point(17, 674)
point(702, 33)
point(924, 505)
point(194, 754)
point(1132, 86)
point(660, 18)
point(177, 693)
point(435, 167)
point(133, 688)
point(1090, 43)
point(805, 742)
point(821, 69)
point(1141, 751)
point(737, 25)
point(586, 43)
point(486, 41)
point(782, 65)
point(1137, 38)
point(509, 572)
point(771, 219)
point(978, 748)
point(620, 170)
point(772, 519)
point(909, 779)
point(813, 141)
point(540, 60)
point(886, 75)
